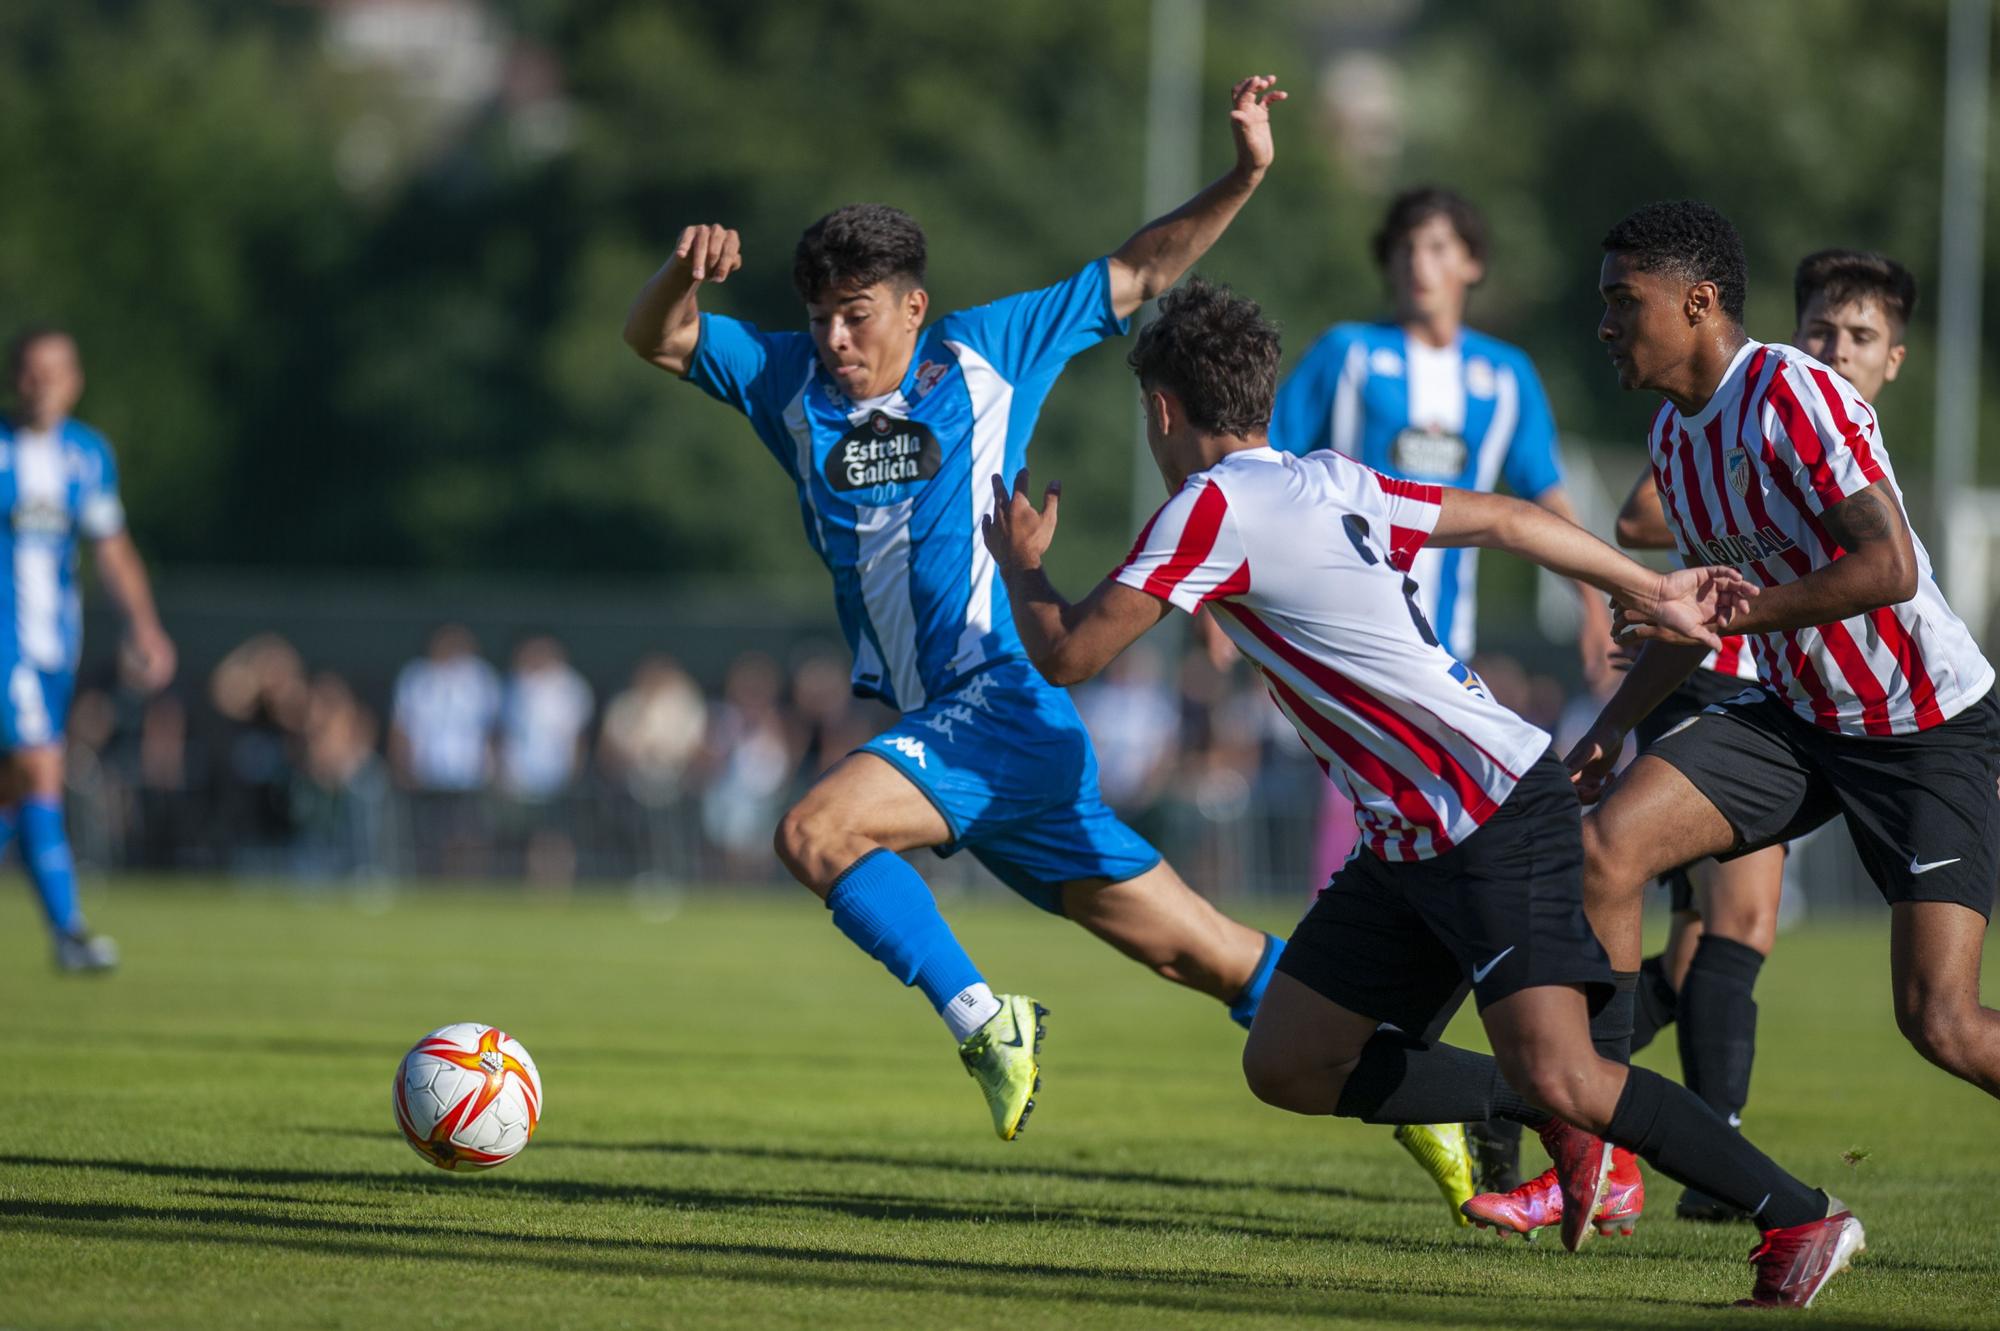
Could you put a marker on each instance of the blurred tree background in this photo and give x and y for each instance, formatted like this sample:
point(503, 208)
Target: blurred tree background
point(349, 275)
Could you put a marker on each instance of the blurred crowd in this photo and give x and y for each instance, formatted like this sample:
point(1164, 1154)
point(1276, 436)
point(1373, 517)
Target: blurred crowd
point(470, 769)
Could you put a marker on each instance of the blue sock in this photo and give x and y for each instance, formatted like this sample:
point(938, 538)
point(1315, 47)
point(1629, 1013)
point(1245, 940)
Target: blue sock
point(45, 852)
point(887, 910)
point(1244, 1010)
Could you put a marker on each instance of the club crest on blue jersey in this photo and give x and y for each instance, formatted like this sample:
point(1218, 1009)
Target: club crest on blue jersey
point(1738, 465)
point(882, 450)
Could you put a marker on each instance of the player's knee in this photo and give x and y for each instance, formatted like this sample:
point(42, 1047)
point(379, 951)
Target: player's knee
point(798, 840)
point(1753, 924)
point(1606, 865)
point(1942, 1032)
point(1274, 1075)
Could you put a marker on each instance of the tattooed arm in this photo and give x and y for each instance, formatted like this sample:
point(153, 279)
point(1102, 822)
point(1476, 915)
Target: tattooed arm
point(1877, 567)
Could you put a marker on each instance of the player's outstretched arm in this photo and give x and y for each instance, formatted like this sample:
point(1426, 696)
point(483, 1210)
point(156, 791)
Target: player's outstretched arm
point(664, 324)
point(1686, 606)
point(1156, 255)
point(1658, 668)
point(124, 576)
point(1877, 567)
point(1642, 523)
point(1068, 643)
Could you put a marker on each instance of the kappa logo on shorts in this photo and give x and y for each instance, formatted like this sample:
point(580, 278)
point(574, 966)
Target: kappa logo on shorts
point(910, 748)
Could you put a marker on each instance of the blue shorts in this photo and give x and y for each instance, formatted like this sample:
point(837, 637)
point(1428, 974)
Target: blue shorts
point(1006, 760)
point(35, 708)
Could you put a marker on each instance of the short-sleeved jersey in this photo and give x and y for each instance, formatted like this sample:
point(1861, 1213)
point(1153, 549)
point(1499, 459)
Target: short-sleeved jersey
point(1745, 482)
point(1306, 562)
point(893, 491)
point(1469, 415)
point(55, 486)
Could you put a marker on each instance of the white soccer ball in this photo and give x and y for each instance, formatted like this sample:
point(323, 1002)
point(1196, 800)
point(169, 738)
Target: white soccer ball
point(468, 1097)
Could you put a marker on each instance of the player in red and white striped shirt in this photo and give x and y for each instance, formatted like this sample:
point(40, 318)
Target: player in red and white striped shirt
point(1881, 709)
point(1852, 310)
point(1469, 871)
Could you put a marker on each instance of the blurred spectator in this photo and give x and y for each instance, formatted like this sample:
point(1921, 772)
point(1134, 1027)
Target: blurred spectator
point(447, 701)
point(1134, 720)
point(830, 719)
point(441, 747)
point(259, 689)
point(751, 762)
point(545, 712)
point(340, 799)
point(653, 731)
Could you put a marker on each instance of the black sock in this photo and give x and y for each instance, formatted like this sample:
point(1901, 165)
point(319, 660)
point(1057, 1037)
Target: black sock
point(1611, 1028)
point(1658, 1004)
point(1400, 1080)
point(1682, 1137)
point(1718, 1035)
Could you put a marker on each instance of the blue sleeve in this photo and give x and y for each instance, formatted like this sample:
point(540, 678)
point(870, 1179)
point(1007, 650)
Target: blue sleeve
point(1531, 468)
point(758, 373)
point(1032, 336)
point(100, 512)
point(1302, 417)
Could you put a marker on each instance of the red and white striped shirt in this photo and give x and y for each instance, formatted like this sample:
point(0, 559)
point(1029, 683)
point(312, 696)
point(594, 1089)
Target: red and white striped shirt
point(1734, 658)
point(1306, 562)
point(1745, 481)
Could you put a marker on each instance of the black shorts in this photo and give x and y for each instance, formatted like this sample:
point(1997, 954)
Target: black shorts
point(1700, 690)
point(1501, 911)
point(1923, 809)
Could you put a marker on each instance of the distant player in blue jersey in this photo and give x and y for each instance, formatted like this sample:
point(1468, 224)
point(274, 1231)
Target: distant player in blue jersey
point(58, 482)
point(1422, 397)
point(892, 431)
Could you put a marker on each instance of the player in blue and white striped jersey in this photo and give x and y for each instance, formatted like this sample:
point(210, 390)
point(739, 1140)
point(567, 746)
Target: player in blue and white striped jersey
point(891, 432)
point(1422, 397)
point(58, 482)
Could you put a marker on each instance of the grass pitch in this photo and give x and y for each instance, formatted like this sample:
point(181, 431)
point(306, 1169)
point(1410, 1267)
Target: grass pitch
point(748, 1125)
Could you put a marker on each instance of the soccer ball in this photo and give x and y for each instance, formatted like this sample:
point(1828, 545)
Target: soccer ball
point(467, 1097)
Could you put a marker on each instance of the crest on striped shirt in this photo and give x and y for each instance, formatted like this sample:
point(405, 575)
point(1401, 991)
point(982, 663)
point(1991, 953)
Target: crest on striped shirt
point(1738, 465)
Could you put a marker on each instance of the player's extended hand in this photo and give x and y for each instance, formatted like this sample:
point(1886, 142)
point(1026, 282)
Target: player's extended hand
point(1688, 606)
point(710, 252)
point(1593, 759)
point(149, 659)
point(1017, 535)
point(1251, 101)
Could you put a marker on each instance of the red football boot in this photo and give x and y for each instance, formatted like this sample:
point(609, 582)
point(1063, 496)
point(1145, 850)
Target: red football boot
point(1793, 1265)
point(1570, 1193)
point(1624, 1195)
point(1526, 1209)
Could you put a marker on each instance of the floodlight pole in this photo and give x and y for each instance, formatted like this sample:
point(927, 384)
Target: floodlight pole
point(1173, 166)
point(1961, 272)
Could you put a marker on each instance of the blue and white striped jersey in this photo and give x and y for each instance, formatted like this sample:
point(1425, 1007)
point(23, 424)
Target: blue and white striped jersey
point(893, 491)
point(55, 486)
point(1468, 415)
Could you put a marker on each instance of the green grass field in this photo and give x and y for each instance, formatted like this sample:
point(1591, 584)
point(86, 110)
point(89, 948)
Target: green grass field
point(748, 1125)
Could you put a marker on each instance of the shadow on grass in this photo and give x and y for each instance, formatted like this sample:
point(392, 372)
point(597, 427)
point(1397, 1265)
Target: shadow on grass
point(1335, 1295)
point(957, 1165)
point(858, 1206)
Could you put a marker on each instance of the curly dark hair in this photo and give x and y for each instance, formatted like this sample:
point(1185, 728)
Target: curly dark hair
point(1842, 276)
point(1690, 240)
point(1414, 207)
point(1216, 352)
point(858, 246)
